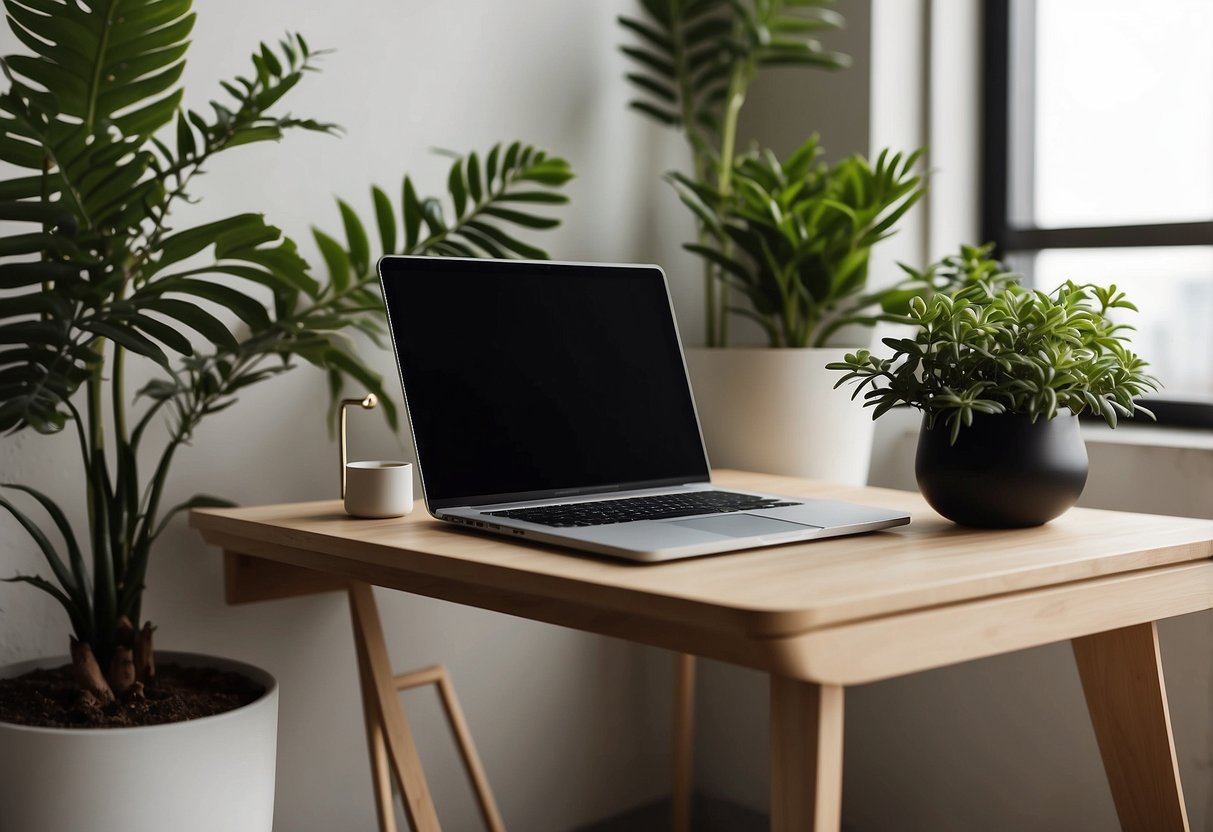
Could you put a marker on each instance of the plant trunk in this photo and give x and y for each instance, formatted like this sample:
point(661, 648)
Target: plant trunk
point(131, 667)
point(88, 672)
point(122, 670)
point(145, 659)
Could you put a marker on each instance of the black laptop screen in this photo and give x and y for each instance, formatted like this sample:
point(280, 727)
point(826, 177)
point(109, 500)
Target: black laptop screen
point(535, 380)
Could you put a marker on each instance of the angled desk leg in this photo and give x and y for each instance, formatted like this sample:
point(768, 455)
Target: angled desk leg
point(1122, 679)
point(376, 743)
point(806, 756)
point(385, 717)
point(438, 676)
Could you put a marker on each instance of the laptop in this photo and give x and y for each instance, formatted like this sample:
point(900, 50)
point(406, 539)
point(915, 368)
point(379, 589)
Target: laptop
point(549, 402)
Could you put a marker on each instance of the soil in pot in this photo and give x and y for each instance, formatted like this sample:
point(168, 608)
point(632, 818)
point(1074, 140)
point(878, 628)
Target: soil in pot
point(50, 698)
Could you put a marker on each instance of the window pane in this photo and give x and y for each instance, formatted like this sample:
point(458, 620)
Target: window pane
point(1172, 288)
point(1124, 112)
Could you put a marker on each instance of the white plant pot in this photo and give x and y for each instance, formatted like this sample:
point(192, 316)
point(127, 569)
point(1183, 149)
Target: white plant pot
point(203, 775)
point(775, 411)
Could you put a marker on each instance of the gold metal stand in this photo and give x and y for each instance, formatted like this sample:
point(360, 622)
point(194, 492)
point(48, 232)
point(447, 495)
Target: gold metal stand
point(369, 403)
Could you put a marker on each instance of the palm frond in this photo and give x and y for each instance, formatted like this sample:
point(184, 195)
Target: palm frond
point(108, 63)
point(490, 196)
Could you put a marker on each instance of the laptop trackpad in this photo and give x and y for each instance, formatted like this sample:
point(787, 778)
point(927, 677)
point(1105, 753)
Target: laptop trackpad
point(742, 525)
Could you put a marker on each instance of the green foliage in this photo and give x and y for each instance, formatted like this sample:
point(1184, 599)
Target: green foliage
point(693, 59)
point(693, 63)
point(794, 238)
point(993, 346)
point(487, 199)
point(96, 270)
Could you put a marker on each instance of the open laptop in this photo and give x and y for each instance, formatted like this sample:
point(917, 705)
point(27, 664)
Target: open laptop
point(550, 402)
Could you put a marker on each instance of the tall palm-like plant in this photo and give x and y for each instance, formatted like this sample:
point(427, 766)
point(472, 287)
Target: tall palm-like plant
point(693, 63)
point(97, 272)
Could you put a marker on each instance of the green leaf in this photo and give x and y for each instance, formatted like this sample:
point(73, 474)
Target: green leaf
point(163, 333)
point(186, 146)
point(484, 242)
point(247, 308)
point(146, 120)
point(552, 172)
point(661, 89)
point(519, 218)
point(412, 216)
point(385, 218)
point(455, 185)
point(539, 197)
point(659, 114)
point(184, 244)
point(119, 98)
point(431, 212)
point(335, 258)
point(473, 171)
point(355, 235)
point(126, 337)
point(63, 574)
point(504, 240)
point(193, 316)
point(655, 38)
point(652, 61)
point(490, 172)
point(79, 622)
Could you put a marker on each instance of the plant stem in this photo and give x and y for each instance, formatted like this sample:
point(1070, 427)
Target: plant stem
point(99, 66)
point(739, 80)
point(96, 429)
point(700, 160)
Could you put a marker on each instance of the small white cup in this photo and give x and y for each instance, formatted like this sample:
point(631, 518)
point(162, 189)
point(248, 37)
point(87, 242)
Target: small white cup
point(378, 488)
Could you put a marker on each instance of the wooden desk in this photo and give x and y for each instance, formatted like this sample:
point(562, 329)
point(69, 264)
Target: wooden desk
point(815, 616)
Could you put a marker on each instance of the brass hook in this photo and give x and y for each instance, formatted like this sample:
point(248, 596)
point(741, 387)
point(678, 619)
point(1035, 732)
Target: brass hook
point(368, 403)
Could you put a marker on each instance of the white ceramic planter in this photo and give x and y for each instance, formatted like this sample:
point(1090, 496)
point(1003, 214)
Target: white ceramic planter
point(203, 775)
point(775, 411)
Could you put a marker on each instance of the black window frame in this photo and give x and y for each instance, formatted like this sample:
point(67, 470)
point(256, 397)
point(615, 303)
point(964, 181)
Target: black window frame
point(1010, 239)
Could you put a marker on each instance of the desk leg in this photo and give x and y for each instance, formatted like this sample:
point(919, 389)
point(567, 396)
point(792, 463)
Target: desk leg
point(684, 741)
point(381, 771)
point(385, 715)
point(1122, 678)
point(806, 756)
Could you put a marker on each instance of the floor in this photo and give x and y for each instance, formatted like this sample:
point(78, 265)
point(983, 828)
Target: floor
point(708, 814)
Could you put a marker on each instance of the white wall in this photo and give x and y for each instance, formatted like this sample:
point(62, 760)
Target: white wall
point(562, 720)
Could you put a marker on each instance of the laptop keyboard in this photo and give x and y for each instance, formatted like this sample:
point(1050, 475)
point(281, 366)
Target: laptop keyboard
point(656, 507)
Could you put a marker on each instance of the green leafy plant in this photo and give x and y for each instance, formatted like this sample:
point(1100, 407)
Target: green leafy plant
point(97, 272)
point(487, 194)
point(794, 238)
point(994, 346)
point(485, 197)
point(694, 61)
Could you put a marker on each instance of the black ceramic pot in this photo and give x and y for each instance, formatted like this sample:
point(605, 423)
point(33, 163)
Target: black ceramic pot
point(1004, 471)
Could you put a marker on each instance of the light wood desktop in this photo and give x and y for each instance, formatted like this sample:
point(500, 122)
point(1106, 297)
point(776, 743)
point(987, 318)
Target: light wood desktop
point(816, 616)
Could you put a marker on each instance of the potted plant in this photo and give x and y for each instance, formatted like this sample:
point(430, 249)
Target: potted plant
point(785, 244)
point(793, 240)
point(99, 287)
point(1001, 373)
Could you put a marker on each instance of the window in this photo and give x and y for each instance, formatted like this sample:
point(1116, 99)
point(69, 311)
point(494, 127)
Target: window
point(1098, 166)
